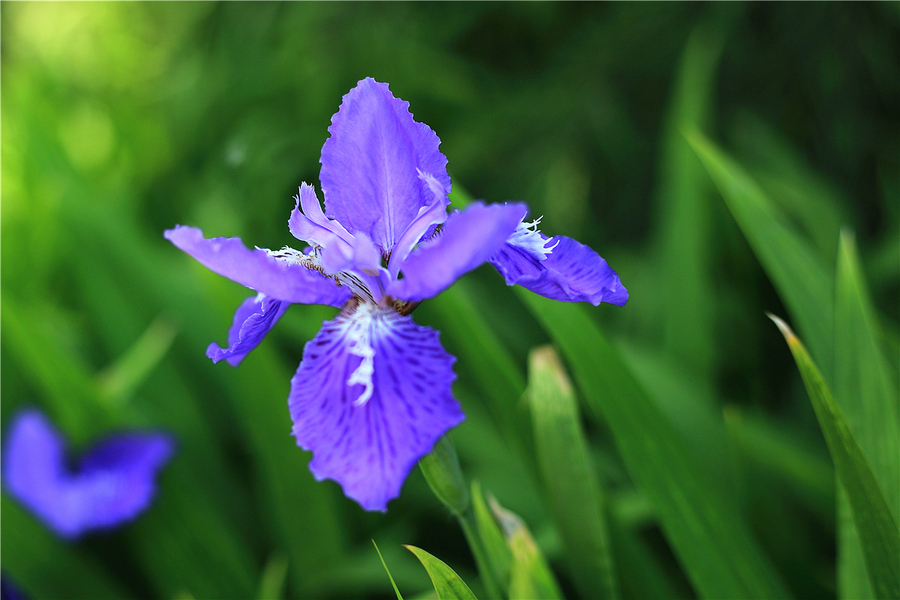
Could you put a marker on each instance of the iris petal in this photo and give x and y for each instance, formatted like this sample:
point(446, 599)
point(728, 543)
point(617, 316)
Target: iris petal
point(572, 272)
point(113, 483)
point(467, 240)
point(371, 163)
point(371, 397)
point(256, 269)
point(252, 321)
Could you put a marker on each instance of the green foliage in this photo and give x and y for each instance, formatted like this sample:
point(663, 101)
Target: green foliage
point(575, 496)
point(875, 526)
point(697, 466)
point(447, 583)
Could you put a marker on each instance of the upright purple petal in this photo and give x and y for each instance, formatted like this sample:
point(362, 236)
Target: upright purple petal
point(252, 321)
point(113, 483)
point(467, 240)
point(429, 215)
point(572, 272)
point(371, 397)
point(281, 278)
point(311, 225)
point(34, 470)
point(371, 163)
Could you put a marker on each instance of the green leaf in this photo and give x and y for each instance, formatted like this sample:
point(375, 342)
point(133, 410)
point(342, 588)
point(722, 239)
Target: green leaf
point(710, 538)
point(864, 390)
point(496, 553)
point(447, 583)
point(530, 576)
point(271, 584)
point(571, 483)
point(878, 533)
point(119, 380)
point(685, 198)
point(798, 273)
point(791, 183)
point(396, 591)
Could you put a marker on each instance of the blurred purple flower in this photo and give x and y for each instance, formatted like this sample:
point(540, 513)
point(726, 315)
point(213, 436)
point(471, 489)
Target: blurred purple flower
point(113, 482)
point(372, 393)
point(9, 590)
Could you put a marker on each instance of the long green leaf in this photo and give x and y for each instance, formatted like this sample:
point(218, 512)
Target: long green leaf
point(496, 554)
point(875, 525)
point(800, 275)
point(571, 482)
point(868, 399)
point(709, 537)
point(685, 202)
point(447, 584)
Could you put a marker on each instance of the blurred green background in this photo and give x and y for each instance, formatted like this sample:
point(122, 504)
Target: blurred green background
point(120, 120)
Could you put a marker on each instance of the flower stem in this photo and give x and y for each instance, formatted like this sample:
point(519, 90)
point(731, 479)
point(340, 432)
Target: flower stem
point(445, 478)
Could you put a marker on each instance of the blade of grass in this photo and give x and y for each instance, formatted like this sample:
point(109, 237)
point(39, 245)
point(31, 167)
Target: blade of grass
point(119, 380)
point(712, 542)
point(685, 223)
point(573, 489)
point(877, 529)
point(798, 273)
point(497, 555)
point(868, 398)
point(791, 183)
point(447, 584)
point(388, 571)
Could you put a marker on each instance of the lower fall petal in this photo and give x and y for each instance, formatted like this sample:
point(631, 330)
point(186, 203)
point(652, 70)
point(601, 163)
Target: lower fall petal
point(371, 397)
point(252, 321)
point(572, 272)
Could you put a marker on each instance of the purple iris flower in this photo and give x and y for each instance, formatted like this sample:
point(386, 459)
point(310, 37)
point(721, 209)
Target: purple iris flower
point(372, 393)
point(112, 483)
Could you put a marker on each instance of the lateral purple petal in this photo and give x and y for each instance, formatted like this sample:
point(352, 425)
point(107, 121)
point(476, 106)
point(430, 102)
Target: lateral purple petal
point(467, 240)
point(371, 397)
point(252, 321)
point(112, 484)
point(371, 163)
point(276, 278)
point(572, 272)
point(116, 480)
